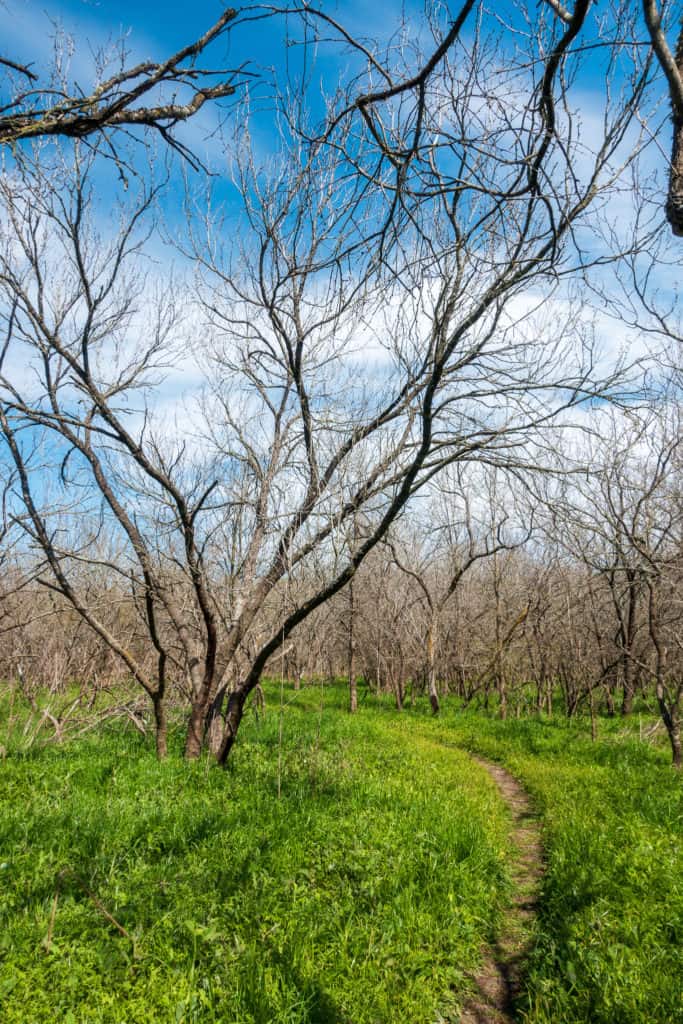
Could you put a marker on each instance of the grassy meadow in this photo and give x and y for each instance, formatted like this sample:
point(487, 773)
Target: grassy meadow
point(343, 870)
point(609, 943)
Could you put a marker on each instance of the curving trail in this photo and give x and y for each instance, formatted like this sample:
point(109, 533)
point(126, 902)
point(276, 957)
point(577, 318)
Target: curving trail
point(498, 981)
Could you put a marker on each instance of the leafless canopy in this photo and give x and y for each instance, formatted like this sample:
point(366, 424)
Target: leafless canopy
point(119, 101)
point(394, 291)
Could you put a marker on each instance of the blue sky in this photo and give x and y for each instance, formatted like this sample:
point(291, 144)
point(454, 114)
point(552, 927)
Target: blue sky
point(152, 31)
point(155, 31)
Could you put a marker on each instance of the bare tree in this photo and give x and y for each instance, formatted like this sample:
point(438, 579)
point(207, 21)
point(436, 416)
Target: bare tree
point(118, 101)
point(366, 321)
point(455, 536)
point(651, 523)
point(623, 520)
point(672, 66)
point(387, 634)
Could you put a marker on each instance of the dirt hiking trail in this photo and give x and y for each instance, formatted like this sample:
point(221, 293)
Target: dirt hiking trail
point(499, 978)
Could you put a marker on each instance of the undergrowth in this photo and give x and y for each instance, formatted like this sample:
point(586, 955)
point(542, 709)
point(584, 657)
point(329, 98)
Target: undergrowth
point(133, 891)
point(609, 944)
point(347, 874)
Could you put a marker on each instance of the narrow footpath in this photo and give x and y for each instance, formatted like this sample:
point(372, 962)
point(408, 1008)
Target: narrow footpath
point(499, 979)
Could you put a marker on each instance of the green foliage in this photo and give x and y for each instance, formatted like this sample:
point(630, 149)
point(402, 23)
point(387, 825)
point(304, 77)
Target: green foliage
point(609, 948)
point(361, 894)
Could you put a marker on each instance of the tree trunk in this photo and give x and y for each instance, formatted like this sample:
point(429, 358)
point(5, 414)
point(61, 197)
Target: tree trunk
point(214, 723)
point(431, 669)
point(629, 636)
point(668, 708)
point(195, 732)
point(353, 693)
point(539, 696)
point(161, 726)
point(233, 717)
point(202, 712)
point(609, 699)
point(674, 204)
point(676, 750)
point(672, 722)
point(353, 685)
point(502, 693)
point(499, 672)
point(627, 702)
point(594, 720)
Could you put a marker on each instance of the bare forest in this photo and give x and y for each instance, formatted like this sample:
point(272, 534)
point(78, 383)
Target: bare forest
point(341, 512)
point(393, 396)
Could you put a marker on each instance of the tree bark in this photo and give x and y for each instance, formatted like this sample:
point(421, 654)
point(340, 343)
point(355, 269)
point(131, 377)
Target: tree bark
point(233, 717)
point(161, 726)
point(673, 726)
point(629, 635)
point(499, 671)
point(431, 668)
point(674, 203)
point(676, 748)
point(353, 684)
point(213, 731)
point(594, 719)
point(195, 732)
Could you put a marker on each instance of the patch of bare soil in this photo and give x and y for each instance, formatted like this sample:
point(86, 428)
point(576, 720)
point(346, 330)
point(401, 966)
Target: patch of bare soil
point(499, 979)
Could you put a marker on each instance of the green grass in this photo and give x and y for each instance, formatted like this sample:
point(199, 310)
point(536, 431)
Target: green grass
point(361, 894)
point(609, 947)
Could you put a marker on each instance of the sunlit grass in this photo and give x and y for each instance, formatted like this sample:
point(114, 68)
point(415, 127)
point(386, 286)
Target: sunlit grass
point(361, 894)
point(610, 935)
